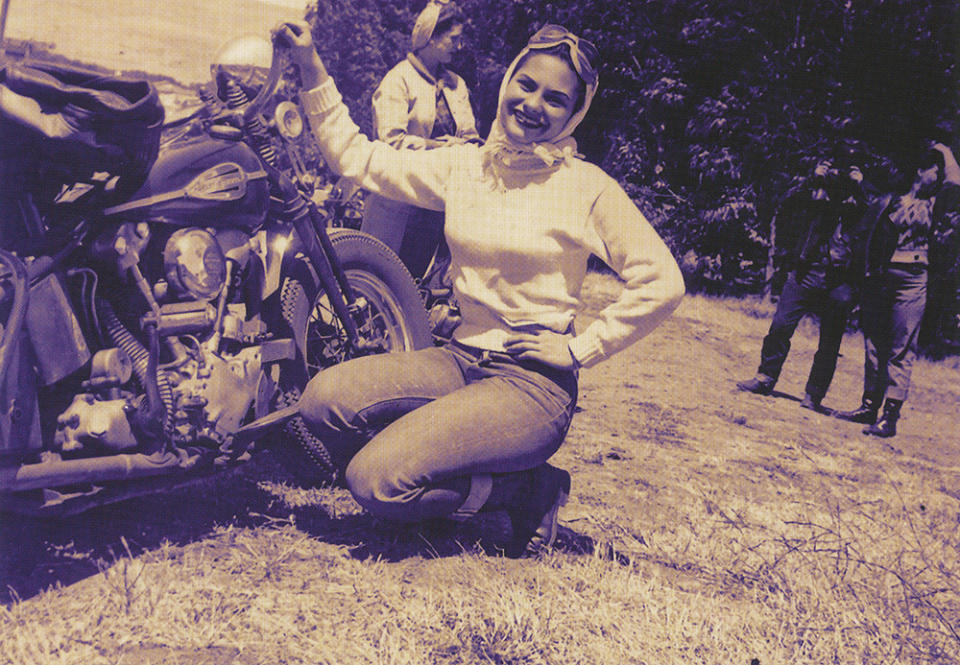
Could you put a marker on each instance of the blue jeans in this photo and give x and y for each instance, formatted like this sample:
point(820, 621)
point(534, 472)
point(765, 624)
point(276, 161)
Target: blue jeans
point(891, 314)
point(811, 291)
point(423, 430)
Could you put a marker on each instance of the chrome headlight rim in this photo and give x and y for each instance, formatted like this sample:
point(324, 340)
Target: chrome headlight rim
point(194, 264)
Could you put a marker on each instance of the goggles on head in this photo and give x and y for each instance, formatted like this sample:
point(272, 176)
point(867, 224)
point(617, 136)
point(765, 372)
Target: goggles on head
point(585, 57)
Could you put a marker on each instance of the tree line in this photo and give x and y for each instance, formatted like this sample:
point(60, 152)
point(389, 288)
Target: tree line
point(711, 111)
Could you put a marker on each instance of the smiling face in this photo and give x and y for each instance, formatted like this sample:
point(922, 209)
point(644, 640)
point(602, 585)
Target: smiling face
point(539, 99)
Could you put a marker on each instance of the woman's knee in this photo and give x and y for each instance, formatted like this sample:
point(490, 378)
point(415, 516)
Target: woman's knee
point(380, 487)
point(326, 403)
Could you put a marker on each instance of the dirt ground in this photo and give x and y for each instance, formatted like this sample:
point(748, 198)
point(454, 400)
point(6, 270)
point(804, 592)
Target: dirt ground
point(739, 516)
point(659, 426)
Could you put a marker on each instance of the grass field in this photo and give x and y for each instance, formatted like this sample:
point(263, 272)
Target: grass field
point(705, 526)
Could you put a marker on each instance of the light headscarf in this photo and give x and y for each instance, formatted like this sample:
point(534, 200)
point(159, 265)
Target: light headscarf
point(502, 154)
point(426, 23)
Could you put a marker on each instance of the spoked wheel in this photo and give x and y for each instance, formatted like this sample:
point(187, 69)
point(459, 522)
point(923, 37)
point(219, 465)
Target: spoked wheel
point(389, 314)
point(380, 320)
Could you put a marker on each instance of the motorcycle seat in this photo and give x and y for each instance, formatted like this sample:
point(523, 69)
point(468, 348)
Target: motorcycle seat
point(85, 121)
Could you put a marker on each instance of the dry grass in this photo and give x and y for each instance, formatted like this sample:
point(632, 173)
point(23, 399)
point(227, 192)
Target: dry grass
point(706, 526)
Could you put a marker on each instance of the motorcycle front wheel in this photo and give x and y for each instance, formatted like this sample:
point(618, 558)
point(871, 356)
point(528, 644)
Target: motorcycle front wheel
point(390, 316)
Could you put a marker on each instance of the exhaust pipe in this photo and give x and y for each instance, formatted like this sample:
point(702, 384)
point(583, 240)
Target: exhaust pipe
point(88, 470)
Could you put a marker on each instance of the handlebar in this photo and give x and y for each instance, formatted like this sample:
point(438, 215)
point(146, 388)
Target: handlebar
point(269, 86)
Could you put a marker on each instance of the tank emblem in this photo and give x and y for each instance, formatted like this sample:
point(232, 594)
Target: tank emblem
point(223, 182)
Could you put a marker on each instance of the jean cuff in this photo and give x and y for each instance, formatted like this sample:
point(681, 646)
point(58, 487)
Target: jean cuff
point(480, 488)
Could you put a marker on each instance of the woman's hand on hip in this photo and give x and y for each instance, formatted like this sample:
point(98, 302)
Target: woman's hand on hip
point(296, 36)
point(545, 346)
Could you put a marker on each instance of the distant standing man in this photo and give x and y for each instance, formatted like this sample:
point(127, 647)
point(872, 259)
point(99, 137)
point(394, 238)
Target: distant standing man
point(895, 289)
point(821, 279)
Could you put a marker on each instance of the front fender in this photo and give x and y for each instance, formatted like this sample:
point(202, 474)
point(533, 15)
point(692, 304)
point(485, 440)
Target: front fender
point(272, 246)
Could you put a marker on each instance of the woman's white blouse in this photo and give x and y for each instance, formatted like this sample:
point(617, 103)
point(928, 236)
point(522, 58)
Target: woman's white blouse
point(405, 105)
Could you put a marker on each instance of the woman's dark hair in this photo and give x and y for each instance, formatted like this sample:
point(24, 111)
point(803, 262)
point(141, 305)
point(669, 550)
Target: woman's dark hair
point(931, 157)
point(561, 51)
point(922, 160)
point(450, 15)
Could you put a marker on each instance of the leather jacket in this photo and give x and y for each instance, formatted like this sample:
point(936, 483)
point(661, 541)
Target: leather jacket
point(879, 235)
point(827, 234)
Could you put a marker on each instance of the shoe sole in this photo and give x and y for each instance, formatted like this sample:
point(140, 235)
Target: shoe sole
point(555, 518)
point(859, 420)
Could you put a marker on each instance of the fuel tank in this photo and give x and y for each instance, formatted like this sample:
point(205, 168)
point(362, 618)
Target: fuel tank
point(202, 181)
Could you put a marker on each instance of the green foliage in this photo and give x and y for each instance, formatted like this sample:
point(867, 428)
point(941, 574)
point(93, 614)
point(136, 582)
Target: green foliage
point(360, 40)
point(709, 110)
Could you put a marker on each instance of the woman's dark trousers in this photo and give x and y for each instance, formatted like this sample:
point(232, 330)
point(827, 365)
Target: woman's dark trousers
point(893, 306)
point(808, 292)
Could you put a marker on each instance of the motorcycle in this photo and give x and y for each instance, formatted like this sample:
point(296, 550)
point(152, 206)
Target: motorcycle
point(166, 291)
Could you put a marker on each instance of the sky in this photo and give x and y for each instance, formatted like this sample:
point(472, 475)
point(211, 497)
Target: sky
point(173, 37)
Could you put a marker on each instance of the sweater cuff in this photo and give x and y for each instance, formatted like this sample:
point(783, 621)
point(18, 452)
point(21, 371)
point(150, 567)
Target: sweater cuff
point(321, 99)
point(585, 350)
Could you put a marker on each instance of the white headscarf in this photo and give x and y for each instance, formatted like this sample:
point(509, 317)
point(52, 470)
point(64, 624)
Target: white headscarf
point(426, 23)
point(501, 153)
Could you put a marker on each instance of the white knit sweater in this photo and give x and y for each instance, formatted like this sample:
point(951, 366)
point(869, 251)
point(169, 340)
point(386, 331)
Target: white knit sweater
point(519, 254)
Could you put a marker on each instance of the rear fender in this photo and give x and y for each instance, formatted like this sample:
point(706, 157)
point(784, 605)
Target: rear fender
point(20, 418)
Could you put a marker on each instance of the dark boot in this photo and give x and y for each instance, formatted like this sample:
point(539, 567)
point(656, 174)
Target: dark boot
point(812, 403)
point(761, 384)
point(865, 414)
point(887, 425)
point(532, 500)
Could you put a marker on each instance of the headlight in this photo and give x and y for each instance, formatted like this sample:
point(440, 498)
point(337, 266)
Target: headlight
point(194, 264)
point(289, 121)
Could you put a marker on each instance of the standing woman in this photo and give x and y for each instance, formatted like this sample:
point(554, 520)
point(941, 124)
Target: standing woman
point(899, 238)
point(419, 105)
point(447, 431)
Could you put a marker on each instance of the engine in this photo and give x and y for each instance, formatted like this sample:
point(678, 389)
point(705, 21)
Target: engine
point(183, 361)
point(210, 395)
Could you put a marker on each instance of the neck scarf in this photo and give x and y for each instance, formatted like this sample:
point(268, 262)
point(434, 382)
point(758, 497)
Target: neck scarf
point(502, 156)
point(444, 77)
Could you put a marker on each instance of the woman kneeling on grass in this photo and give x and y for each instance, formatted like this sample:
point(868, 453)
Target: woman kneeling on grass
point(448, 431)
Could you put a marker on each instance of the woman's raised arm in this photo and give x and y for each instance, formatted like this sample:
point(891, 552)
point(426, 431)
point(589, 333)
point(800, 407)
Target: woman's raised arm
point(416, 177)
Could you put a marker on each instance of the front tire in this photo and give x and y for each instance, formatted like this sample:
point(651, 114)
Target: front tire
point(391, 317)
